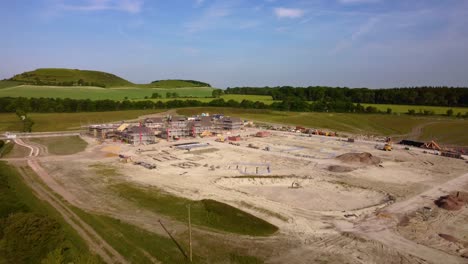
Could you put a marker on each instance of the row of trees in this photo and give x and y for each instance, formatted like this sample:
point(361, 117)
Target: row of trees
point(195, 83)
point(80, 82)
point(51, 105)
point(437, 96)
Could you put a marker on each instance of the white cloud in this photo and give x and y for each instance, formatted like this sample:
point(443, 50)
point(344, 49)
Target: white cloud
point(358, 1)
point(129, 6)
point(282, 12)
point(212, 16)
point(361, 31)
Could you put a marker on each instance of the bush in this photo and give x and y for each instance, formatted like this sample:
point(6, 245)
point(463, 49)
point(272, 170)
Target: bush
point(450, 112)
point(28, 237)
point(7, 147)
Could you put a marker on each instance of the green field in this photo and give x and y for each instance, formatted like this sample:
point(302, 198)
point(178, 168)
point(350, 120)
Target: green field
point(97, 93)
point(438, 110)
point(44, 122)
point(266, 99)
point(62, 145)
point(31, 231)
point(205, 213)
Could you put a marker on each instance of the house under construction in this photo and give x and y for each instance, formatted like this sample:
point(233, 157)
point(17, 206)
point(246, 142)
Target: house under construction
point(136, 135)
point(170, 128)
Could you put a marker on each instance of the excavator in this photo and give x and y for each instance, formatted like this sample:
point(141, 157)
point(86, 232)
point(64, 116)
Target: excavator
point(388, 144)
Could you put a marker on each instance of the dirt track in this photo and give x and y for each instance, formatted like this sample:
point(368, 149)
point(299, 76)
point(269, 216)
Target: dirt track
point(95, 243)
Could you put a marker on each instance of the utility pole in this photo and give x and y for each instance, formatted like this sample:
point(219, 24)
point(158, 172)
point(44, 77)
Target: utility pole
point(190, 233)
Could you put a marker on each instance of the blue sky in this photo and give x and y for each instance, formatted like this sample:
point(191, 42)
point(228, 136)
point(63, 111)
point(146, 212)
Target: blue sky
point(353, 43)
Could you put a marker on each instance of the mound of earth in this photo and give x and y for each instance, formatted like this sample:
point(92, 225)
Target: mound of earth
point(359, 158)
point(338, 168)
point(449, 238)
point(450, 202)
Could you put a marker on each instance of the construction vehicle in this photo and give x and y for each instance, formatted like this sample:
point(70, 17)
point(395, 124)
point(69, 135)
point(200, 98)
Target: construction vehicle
point(221, 139)
point(252, 146)
point(388, 144)
point(206, 133)
point(125, 158)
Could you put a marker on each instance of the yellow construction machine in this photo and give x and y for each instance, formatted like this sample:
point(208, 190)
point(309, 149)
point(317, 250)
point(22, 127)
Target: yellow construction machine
point(221, 138)
point(388, 145)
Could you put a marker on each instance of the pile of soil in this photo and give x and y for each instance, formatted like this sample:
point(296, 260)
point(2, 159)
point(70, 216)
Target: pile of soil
point(450, 202)
point(449, 238)
point(361, 158)
point(338, 168)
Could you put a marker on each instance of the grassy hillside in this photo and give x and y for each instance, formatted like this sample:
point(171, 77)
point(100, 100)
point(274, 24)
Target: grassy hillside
point(178, 84)
point(454, 132)
point(75, 77)
point(58, 76)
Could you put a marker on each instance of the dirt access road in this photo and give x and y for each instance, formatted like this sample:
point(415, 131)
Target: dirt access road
point(95, 242)
point(380, 227)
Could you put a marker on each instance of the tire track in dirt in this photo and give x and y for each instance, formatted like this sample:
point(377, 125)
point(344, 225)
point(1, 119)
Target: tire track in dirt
point(380, 227)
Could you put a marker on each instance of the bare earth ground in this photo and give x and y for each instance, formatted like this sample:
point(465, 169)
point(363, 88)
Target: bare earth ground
point(372, 214)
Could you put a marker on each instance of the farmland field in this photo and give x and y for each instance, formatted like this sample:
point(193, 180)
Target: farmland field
point(67, 121)
point(266, 99)
point(97, 93)
point(438, 110)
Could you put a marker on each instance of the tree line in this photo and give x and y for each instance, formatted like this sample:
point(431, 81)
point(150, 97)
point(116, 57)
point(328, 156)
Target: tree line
point(80, 82)
point(429, 96)
point(22, 105)
point(196, 83)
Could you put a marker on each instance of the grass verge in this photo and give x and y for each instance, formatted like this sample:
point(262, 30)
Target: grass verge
point(205, 213)
point(135, 244)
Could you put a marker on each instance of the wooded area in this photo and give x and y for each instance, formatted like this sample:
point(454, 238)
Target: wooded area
point(434, 96)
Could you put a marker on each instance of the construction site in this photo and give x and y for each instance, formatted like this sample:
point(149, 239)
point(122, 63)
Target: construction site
point(334, 199)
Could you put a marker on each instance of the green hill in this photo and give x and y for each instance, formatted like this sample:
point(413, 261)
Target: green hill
point(70, 77)
point(178, 84)
point(75, 77)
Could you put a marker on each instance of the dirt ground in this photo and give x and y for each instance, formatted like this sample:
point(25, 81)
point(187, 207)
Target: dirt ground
point(369, 214)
